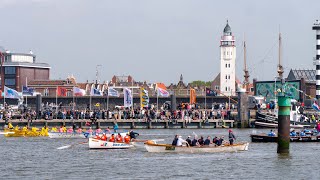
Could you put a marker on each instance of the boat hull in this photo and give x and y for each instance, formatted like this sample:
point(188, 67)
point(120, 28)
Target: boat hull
point(266, 138)
point(167, 148)
point(274, 125)
point(99, 144)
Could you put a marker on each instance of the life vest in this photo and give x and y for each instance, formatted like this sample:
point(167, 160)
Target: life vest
point(79, 130)
point(70, 130)
point(98, 131)
point(119, 138)
point(97, 137)
point(111, 139)
point(54, 129)
point(64, 129)
point(61, 130)
point(10, 126)
point(104, 138)
point(127, 139)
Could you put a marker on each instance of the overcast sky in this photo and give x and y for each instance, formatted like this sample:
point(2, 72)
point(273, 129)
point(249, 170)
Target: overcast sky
point(157, 40)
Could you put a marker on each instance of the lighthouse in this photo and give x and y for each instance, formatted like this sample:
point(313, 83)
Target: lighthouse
point(227, 63)
point(316, 27)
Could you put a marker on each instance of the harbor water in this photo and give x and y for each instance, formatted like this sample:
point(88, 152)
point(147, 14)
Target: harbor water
point(39, 158)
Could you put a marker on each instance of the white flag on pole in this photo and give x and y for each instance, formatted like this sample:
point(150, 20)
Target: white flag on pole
point(127, 97)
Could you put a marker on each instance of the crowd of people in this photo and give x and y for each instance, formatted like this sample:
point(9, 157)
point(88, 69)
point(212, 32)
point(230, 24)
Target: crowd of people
point(201, 142)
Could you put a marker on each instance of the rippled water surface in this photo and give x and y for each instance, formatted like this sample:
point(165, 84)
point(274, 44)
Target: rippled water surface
point(39, 158)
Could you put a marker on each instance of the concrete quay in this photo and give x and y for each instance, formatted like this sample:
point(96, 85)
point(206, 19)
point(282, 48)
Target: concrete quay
point(127, 124)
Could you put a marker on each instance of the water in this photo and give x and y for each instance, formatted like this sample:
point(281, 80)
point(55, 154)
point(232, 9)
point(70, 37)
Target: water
point(39, 158)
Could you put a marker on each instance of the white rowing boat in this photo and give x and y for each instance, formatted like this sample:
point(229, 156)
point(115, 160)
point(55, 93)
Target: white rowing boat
point(56, 135)
point(152, 146)
point(99, 144)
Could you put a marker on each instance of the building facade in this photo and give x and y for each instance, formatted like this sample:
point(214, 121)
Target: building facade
point(18, 69)
point(227, 63)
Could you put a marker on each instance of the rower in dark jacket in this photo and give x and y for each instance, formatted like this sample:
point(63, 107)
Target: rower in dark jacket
point(232, 137)
point(133, 134)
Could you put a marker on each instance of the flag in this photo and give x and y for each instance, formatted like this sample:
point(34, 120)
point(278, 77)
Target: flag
point(11, 93)
point(315, 106)
point(78, 91)
point(113, 92)
point(210, 92)
point(61, 91)
point(144, 98)
point(192, 96)
point(127, 97)
point(95, 92)
point(27, 90)
point(163, 92)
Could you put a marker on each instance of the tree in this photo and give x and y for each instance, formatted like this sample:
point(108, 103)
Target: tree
point(201, 83)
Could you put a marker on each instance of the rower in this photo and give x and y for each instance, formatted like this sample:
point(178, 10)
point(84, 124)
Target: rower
point(112, 138)
point(119, 138)
point(10, 125)
point(64, 129)
point(188, 140)
point(194, 142)
point(61, 129)
point(133, 134)
point(98, 131)
point(97, 136)
point(104, 137)
point(54, 129)
point(108, 130)
point(90, 130)
point(79, 130)
point(180, 141)
point(175, 140)
point(302, 133)
point(293, 133)
point(207, 141)
point(70, 130)
point(127, 139)
point(201, 141)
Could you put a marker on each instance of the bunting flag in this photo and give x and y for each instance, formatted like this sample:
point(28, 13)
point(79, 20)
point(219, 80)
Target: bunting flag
point(61, 91)
point(210, 92)
point(95, 92)
point(144, 98)
point(27, 91)
point(163, 93)
point(11, 93)
point(113, 92)
point(127, 97)
point(192, 96)
point(78, 91)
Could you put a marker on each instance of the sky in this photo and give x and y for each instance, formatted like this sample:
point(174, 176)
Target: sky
point(157, 40)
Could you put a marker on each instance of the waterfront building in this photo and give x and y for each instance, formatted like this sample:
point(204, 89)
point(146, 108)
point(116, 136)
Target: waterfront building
point(18, 68)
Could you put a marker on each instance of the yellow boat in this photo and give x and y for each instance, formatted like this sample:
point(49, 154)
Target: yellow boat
point(24, 132)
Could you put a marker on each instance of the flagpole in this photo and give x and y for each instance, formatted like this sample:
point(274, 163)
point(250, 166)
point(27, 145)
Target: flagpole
point(22, 91)
point(73, 98)
point(57, 102)
point(205, 98)
point(90, 101)
point(157, 100)
point(108, 99)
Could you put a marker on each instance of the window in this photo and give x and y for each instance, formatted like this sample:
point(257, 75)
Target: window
point(46, 92)
point(10, 70)
point(227, 53)
point(229, 65)
point(10, 82)
point(231, 53)
point(224, 53)
point(226, 77)
point(226, 89)
point(69, 93)
point(217, 87)
point(229, 77)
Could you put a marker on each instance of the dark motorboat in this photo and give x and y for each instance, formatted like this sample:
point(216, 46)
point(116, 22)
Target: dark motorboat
point(266, 138)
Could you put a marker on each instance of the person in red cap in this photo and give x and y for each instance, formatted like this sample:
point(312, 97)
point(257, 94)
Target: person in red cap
point(232, 137)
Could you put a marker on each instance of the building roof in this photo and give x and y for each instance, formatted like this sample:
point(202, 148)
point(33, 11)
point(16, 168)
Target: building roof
point(308, 75)
point(24, 64)
point(227, 29)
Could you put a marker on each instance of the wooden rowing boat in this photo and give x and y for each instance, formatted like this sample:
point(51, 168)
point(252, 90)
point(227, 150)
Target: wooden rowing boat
point(24, 133)
point(99, 144)
point(152, 146)
point(58, 135)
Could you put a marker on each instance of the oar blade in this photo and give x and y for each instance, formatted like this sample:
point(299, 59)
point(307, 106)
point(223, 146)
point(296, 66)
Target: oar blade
point(64, 147)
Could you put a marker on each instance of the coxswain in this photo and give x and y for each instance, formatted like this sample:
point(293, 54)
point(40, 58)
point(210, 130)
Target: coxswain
point(127, 139)
point(133, 134)
point(70, 130)
point(232, 137)
point(104, 137)
point(97, 136)
point(119, 138)
point(115, 127)
point(112, 138)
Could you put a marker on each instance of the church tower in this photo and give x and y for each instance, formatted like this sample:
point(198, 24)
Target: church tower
point(228, 63)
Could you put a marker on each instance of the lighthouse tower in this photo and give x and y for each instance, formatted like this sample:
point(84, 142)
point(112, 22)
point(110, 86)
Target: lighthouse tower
point(316, 27)
point(228, 63)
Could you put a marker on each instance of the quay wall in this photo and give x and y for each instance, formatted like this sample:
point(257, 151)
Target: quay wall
point(82, 102)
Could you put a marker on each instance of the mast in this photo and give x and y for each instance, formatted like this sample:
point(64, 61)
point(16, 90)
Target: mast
point(246, 72)
point(280, 67)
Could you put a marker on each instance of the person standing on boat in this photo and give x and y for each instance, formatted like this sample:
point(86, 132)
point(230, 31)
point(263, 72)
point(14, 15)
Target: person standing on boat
point(133, 134)
point(115, 127)
point(232, 137)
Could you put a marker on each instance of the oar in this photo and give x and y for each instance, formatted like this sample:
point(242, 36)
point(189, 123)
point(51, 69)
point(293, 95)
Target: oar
point(144, 140)
point(195, 135)
point(70, 145)
point(5, 133)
